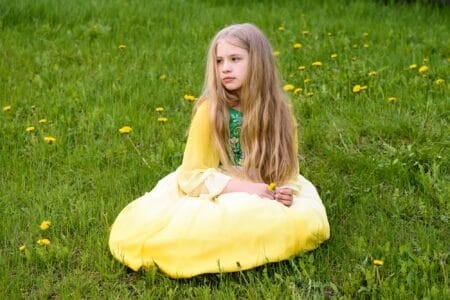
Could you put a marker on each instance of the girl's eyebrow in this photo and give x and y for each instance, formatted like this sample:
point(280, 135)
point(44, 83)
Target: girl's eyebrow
point(231, 55)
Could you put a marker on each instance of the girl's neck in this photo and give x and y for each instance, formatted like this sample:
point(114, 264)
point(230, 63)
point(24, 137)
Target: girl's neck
point(236, 105)
point(235, 102)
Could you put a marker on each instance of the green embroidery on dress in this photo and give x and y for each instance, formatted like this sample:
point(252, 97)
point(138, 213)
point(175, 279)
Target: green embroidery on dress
point(235, 134)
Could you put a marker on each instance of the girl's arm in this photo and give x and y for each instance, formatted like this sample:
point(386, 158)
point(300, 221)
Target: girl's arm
point(200, 174)
point(237, 185)
point(283, 195)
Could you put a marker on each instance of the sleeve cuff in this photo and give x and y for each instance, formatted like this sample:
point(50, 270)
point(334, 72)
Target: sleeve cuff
point(206, 183)
point(295, 185)
point(216, 182)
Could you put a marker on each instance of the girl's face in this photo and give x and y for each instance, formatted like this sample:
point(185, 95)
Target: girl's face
point(232, 65)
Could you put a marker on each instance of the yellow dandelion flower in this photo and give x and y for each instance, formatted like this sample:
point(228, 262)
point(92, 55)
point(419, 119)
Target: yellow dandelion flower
point(163, 77)
point(22, 248)
point(162, 119)
point(42, 121)
point(378, 262)
point(43, 242)
point(288, 87)
point(310, 94)
point(298, 90)
point(272, 186)
point(354, 46)
point(125, 130)
point(276, 53)
point(305, 32)
point(7, 108)
point(330, 34)
point(45, 225)
point(356, 88)
point(372, 73)
point(297, 46)
point(363, 87)
point(365, 34)
point(317, 64)
point(189, 97)
point(301, 68)
point(159, 109)
point(334, 55)
point(122, 46)
point(30, 129)
point(423, 69)
point(306, 81)
point(439, 81)
point(366, 46)
point(391, 99)
point(281, 28)
point(49, 139)
point(413, 66)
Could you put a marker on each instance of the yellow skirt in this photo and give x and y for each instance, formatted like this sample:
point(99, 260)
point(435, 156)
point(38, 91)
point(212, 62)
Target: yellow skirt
point(186, 236)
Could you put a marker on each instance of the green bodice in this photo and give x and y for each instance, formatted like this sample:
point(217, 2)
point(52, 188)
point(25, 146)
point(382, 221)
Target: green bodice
point(235, 134)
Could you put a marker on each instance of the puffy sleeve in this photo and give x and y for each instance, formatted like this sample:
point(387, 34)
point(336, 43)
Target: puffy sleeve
point(199, 174)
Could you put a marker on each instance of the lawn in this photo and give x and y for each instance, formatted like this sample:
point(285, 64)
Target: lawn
point(369, 83)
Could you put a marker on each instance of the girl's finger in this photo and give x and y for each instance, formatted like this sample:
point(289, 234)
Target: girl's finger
point(283, 196)
point(285, 191)
point(285, 201)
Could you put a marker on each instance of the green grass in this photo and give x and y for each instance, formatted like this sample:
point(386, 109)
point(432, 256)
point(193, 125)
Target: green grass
point(381, 168)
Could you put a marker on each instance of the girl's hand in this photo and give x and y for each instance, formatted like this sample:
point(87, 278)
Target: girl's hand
point(284, 196)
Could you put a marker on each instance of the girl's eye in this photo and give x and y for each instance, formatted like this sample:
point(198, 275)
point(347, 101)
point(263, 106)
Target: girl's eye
point(218, 61)
point(235, 58)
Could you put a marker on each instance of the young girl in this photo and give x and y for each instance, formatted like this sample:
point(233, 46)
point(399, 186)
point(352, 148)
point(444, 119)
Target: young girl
point(219, 211)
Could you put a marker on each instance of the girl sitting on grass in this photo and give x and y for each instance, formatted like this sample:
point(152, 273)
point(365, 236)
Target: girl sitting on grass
point(220, 210)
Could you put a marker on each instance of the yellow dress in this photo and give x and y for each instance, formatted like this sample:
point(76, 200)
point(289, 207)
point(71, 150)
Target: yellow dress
point(185, 227)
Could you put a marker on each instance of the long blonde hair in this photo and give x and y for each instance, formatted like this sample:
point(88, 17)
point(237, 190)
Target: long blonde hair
point(267, 133)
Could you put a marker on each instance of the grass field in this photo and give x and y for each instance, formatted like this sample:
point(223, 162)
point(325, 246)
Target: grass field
point(370, 88)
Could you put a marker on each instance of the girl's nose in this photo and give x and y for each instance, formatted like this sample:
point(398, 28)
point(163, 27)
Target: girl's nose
point(226, 67)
